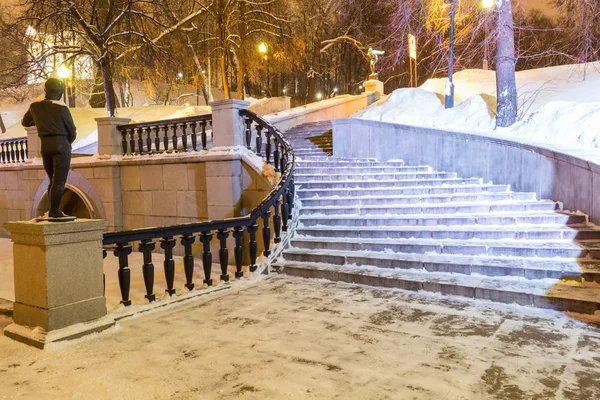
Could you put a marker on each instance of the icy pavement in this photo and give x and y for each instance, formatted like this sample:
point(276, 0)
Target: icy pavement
point(288, 338)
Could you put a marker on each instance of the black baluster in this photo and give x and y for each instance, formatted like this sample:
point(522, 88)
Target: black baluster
point(122, 251)
point(203, 135)
point(194, 136)
point(104, 253)
point(268, 146)
point(146, 247)
point(124, 142)
point(277, 221)
point(27, 148)
point(132, 142)
point(149, 139)
point(188, 260)
point(238, 251)
point(276, 160)
point(222, 235)
point(156, 139)
point(166, 137)
point(174, 138)
point(205, 238)
point(290, 197)
point(12, 152)
point(22, 151)
point(140, 140)
point(184, 136)
point(167, 244)
point(248, 122)
point(266, 233)
point(258, 139)
point(2, 154)
point(253, 246)
point(285, 209)
point(212, 131)
point(283, 160)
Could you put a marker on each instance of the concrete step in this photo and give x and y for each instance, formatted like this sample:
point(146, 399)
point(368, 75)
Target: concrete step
point(425, 208)
point(396, 183)
point(565, 295)
point(330, 163)
point(303, 169)
point(397, 191)
point(301, 176)
point(495, 218)
point(466, 232)
point(509, 248)
point(417, 199)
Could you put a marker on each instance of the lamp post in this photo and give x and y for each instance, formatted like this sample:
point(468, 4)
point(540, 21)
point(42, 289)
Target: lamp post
point(64, 73)
point(262, 49)
point(449, 99)
point(486, 4)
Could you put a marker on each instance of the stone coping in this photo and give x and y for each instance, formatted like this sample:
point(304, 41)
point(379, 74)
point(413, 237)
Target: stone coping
point(587, 161)
point(215, 154)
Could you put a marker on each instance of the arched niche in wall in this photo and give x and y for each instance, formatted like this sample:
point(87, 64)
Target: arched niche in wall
point(80, 199)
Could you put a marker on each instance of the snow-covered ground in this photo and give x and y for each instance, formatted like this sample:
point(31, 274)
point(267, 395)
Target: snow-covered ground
point(304, 339)
point(559, 107)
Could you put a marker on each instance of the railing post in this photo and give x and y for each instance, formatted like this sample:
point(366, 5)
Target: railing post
point(228, 125)
point(58, 280)
point(33, 142)
point(110, 140)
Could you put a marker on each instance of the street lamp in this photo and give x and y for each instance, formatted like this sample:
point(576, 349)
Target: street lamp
point(64, 73)
point(449, 99)
point(262, 49)
point(319, 96)
point(486, 4)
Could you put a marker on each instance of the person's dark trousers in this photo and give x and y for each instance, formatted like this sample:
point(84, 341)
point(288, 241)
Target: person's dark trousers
point(56, 155)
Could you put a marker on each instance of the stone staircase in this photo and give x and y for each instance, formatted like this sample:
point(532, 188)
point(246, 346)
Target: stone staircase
point(392, 225)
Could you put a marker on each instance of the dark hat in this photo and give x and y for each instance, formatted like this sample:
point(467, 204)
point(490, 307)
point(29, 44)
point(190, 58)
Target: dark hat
point(54, 85)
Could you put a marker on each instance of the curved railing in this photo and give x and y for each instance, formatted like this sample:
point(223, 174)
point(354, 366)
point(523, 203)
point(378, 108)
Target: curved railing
point(13, 150)
point(149, 137)
point(275, 210)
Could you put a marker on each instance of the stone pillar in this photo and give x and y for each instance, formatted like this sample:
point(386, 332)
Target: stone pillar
point(59, 280)
point(110, 140)
point(228, 126)
point(33, 142)
point(373, 85)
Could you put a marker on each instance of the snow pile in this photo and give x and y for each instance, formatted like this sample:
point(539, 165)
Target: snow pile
point(560, 106)
point(423, 108)
point(188, 112)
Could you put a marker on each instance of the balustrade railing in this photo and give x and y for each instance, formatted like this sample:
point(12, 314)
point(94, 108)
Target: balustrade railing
point(13, 150)
point(167, 135)
point(274, 211)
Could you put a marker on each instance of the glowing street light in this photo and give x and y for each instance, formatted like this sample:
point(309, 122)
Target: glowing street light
point(262, 48)
point(180, 75)
point(63, 72)
point(319, 96)
point(487, 3)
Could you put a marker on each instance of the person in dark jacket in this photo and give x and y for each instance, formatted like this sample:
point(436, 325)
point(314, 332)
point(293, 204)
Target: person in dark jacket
point(57, 132)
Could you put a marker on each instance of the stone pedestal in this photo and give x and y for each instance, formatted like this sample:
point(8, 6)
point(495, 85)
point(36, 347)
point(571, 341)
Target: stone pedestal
point(373, 85)
point(59, 280)
point(228, 126)
point(110, 140)
point(33, 142)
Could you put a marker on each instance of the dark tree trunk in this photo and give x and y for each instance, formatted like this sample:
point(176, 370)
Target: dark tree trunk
point(505, 65)
point(109, 90)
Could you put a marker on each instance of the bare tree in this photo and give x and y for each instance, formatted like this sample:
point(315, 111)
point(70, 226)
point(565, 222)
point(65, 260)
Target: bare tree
point(506, 87)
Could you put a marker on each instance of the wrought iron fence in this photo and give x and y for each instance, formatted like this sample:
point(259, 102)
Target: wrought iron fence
point(275, 211)
point(13, 150)
point(164, 136)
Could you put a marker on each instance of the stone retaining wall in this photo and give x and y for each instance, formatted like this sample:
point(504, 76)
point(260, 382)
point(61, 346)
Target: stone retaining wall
point(527, 168)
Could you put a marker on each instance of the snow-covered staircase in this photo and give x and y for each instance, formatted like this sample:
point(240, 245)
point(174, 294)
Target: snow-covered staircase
point(392, 225)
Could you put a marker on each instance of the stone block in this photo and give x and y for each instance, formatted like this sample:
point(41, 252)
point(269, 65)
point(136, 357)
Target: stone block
point(223, 168)
point(130, 177)
point(151, 177)
point(109, 189)
point(192, 204)
point(175, 177)
point(164, 203)
point(87, 173)
point(223, 192)
point(106, 172)
point(220, 212)
point(196, 176)
point(58, 277)
point(13, 215)
point(133, 221)
point(137, 203)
